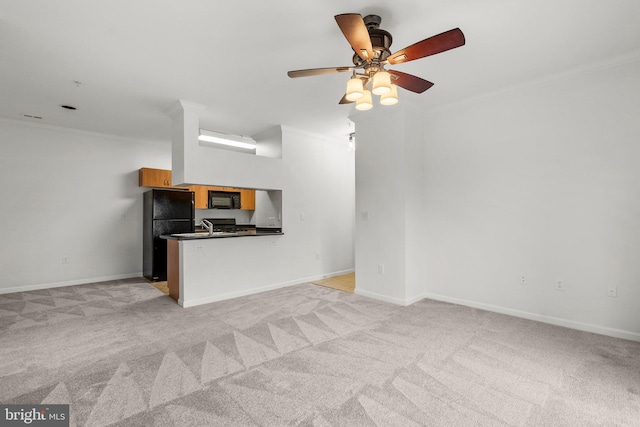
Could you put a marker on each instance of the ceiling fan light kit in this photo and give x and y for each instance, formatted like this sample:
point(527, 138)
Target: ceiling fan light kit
point(381, 83)
point(371, 45)
point(391, 97)
point(365, 103)
point(355, 89)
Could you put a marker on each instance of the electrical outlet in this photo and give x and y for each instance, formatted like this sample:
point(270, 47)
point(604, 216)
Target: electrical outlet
point(317, 256)
point(612, 291)
point(560, 285)
point(123, 217)
point(197, 248)
point(65, 260)
point(380, 268)
point(523, 280)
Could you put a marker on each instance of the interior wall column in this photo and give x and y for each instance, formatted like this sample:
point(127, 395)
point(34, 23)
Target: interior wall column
point(389, 145)
point(185, 118)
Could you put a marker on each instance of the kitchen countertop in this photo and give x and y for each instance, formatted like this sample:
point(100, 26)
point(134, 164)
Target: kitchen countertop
point(223, 234)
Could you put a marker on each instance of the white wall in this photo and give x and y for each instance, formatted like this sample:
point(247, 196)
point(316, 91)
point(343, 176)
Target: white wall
point(318, 205)
point(313, 182)
point(70, 194)
point(389, 204)
point(204, 164)
point(318, 208)
point(380, 206)
point(64, 193)
point(541, 181)
point(415, 225)
point(268, 212)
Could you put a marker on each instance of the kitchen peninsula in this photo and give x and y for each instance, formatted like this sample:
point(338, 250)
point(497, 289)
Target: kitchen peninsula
point(206, 267)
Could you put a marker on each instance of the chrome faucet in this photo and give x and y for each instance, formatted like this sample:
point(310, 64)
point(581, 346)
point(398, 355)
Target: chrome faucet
point(206, 224)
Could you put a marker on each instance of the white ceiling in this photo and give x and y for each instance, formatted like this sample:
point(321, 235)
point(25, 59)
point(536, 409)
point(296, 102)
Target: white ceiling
point(135, 58)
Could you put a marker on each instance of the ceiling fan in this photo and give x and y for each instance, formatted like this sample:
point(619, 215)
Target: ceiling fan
point(371, 46)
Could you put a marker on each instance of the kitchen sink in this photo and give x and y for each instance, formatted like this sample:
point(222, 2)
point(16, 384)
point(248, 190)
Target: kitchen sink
point(191, 235)
point(203, 234)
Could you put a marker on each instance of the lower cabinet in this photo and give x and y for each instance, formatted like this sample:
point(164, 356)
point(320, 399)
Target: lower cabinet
point(173, 268)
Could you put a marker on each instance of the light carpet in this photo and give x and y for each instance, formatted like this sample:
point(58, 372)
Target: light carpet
point(122, 354)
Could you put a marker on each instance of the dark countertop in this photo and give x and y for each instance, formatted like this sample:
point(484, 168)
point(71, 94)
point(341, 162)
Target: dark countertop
point(222, 234)
point(238, 227)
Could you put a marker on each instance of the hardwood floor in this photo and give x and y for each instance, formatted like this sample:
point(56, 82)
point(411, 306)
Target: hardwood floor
point(345, 283)
point(161, 286)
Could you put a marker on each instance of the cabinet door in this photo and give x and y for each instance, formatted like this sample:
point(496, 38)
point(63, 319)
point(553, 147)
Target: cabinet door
point(201, 196)
point(248, 200)
point(148, 177)
point(247, 197)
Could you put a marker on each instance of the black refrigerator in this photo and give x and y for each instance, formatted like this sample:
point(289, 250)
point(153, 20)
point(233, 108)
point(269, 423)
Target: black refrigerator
point(165, 212)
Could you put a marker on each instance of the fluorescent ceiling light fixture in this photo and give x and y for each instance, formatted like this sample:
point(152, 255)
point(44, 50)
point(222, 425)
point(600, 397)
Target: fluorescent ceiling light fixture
point(230, 140)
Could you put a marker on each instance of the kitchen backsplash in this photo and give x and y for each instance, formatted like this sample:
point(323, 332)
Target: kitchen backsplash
point(242, 217)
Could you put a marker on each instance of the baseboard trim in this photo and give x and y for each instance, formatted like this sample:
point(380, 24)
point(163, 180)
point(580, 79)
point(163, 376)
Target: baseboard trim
point(230, 295)
point(385, 298)
point(85, 281)
point(334, 274)
point(572, 324)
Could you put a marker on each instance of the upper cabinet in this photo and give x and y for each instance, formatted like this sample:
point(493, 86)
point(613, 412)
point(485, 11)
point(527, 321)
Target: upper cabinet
point(247, 197)
point(248, 200)
point(149, 177)
point(201, 196)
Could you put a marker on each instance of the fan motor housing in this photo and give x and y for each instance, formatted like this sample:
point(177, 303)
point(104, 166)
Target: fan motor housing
point(380, 40)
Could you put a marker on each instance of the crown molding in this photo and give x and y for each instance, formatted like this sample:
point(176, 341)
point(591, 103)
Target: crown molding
point(181, 105)
point(25, 123)
point(614, 62)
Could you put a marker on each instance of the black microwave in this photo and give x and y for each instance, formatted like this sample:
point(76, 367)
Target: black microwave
point(224, 199)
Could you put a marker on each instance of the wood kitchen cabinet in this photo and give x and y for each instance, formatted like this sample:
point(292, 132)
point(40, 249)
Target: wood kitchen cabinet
point(173, 268)
point(247, 197)
point(201, 196)
point(149, 177)
point(248, 200)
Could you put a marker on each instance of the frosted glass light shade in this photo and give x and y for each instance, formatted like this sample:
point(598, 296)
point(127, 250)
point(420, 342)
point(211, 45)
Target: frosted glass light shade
point(354, 89)
point(381, 83)
point(390, 98)
point(364, 103)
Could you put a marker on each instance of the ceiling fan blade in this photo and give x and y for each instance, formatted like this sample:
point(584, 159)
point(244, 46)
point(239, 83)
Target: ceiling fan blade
point(355, 31)
point(436, 44)
point(409, 81)
point(318, 71)
point(344, 100)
